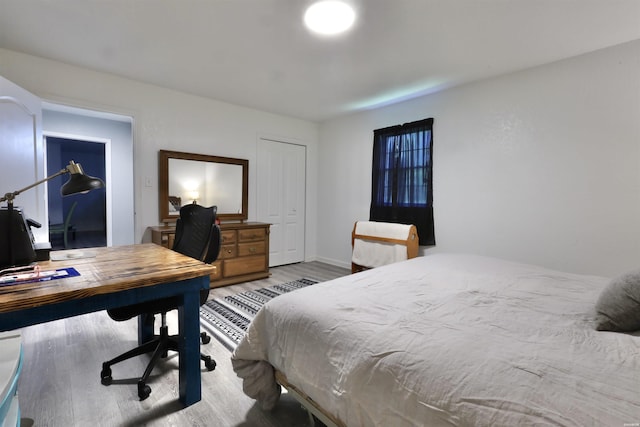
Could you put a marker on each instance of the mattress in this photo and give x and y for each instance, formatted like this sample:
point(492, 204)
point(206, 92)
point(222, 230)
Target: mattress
point(447, 340)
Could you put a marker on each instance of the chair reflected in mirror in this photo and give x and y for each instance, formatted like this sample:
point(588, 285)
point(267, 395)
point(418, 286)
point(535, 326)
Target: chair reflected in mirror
point(175, 203)
point(65, 229)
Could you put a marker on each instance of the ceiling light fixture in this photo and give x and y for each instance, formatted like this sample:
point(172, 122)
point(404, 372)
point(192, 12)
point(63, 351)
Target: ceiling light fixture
point(329, 17)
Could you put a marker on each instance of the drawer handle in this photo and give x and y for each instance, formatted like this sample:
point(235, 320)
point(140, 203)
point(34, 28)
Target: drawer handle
point(252, 249)
point(229, 251)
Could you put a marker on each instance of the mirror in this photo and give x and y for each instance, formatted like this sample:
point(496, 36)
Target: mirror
point(207, 180)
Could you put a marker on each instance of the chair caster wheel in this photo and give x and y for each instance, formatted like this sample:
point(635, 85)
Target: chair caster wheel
point(206, 339)
point(143, 391)
point(209, 363)
point(105, 376)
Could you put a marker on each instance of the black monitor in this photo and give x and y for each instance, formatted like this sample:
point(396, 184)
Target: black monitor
point(22, 241)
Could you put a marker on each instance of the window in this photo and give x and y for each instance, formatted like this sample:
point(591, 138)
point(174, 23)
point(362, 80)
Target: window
point(401, 189)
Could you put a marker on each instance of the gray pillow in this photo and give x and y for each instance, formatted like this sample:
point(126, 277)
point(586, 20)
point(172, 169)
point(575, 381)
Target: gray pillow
point(618, 307)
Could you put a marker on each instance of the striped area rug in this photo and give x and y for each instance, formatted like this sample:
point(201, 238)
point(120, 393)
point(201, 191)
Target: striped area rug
point(228, 318)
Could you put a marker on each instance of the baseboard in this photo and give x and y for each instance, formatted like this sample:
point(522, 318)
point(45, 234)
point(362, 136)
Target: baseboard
point(331, 261)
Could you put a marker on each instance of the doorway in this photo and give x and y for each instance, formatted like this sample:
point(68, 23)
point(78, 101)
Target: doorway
point(115, 132)
point(79, 220)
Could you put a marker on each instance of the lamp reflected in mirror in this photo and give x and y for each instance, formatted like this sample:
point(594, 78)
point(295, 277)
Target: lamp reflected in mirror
point(194, 196)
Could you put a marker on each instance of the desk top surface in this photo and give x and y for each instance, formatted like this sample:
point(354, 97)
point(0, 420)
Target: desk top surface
point(102, 271)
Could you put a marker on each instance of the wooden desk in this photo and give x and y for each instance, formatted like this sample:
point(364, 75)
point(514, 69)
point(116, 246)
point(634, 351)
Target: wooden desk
point(115, 277)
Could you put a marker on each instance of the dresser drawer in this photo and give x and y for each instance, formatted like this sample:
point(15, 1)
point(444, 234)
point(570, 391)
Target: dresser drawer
point(217, 273)
point(228, 251)
point(253, 248)
point(228, 236)
point(167, 240)
point(245, 265)
point(251, 234)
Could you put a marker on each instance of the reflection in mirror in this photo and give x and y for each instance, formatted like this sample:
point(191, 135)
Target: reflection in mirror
point(206, 180)
point(205, 183)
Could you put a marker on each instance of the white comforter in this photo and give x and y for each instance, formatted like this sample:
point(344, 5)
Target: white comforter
point(447, 340)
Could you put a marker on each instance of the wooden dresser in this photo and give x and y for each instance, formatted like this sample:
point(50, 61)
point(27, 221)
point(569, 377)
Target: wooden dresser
point(244, 254)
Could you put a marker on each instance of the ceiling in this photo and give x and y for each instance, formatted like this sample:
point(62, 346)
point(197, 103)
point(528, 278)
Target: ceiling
point(257, 53)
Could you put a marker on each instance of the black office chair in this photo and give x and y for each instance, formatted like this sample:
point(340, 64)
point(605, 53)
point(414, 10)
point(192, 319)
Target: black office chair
point(196, 236)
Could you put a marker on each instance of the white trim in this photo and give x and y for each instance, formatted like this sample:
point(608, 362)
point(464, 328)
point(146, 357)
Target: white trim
point(87, 112)
point(330, 261)
point(38, 202)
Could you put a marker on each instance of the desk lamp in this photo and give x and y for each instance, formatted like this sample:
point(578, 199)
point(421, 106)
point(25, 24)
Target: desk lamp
point(20, 245)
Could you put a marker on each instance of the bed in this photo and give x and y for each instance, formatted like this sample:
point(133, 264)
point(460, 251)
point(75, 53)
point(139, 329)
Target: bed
point(448, 340)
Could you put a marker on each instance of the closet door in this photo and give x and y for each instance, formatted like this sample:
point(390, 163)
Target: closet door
point(22, 148)
point(281, 173)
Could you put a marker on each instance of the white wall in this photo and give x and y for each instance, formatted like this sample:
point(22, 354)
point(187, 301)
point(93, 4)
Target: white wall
point(166, 119)
point(540, 166)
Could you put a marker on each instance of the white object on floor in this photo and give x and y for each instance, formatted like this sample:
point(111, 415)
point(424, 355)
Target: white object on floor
point(10, 367)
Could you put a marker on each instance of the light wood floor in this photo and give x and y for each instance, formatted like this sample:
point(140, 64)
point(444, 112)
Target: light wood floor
point(60, 381)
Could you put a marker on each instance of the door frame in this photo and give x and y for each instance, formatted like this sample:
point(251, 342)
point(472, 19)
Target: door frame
point(107, 164)
point(26, 172)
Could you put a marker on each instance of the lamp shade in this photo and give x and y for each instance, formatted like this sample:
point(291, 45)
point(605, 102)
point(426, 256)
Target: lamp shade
point(80, 183)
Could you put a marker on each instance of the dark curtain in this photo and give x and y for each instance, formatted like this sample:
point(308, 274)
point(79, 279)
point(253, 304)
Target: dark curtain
point(402, 177)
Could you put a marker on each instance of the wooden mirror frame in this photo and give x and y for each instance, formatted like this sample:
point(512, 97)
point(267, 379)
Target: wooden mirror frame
point(163, 185)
